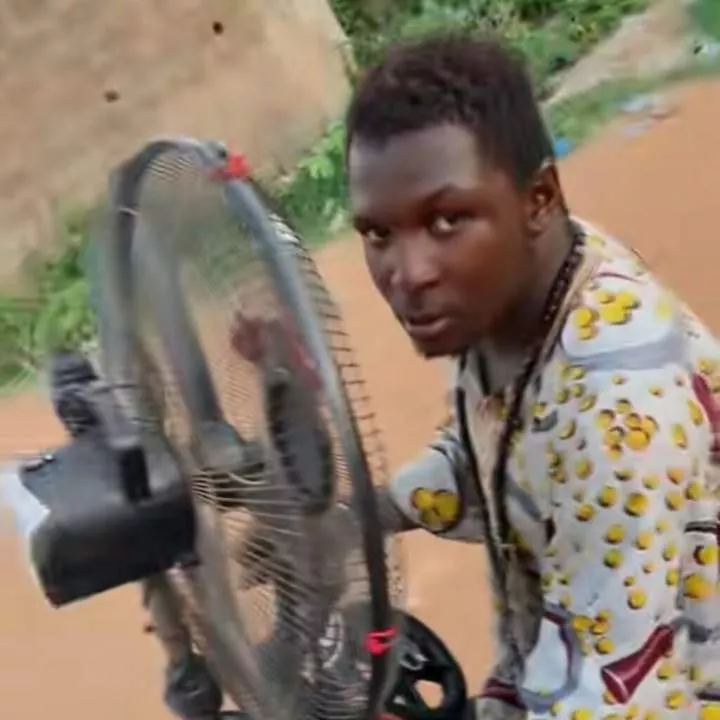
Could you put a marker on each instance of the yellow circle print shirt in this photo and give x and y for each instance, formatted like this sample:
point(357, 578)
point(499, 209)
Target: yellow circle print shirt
point(610, 606)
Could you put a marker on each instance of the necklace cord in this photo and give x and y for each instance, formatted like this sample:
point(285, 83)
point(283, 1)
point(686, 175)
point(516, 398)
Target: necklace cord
point(558, 291)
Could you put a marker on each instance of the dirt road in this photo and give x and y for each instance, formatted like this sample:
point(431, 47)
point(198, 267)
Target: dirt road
point(659, 191)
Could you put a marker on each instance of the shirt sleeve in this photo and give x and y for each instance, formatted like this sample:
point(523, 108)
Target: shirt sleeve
point(431, 492)
point(628, 467)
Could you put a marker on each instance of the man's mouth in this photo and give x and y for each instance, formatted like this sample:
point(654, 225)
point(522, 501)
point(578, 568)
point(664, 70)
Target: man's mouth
point(423, 329)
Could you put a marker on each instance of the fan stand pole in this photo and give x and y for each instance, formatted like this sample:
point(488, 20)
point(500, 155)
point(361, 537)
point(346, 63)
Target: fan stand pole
point(191, 692)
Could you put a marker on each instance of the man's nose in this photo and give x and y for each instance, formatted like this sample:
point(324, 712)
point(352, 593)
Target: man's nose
point(417, 266)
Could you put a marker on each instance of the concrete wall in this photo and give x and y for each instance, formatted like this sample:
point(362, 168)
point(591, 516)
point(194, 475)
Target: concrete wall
point(85, 82)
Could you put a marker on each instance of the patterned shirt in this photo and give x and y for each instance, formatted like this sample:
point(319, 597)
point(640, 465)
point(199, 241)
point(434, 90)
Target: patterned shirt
point(608, 600)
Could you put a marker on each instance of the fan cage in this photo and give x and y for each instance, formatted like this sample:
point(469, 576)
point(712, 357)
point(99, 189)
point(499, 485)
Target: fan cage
point(260, 616)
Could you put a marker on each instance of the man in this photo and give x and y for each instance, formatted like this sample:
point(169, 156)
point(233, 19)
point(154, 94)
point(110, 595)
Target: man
point(581, 452)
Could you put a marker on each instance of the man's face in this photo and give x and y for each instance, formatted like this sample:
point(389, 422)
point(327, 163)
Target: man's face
point(445, 235)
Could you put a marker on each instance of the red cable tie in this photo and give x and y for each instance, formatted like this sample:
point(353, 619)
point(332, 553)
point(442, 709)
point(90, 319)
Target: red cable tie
point(380, 641)
point(236, 167)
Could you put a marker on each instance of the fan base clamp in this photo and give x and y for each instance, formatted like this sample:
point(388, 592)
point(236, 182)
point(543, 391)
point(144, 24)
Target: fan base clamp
point(191, 692)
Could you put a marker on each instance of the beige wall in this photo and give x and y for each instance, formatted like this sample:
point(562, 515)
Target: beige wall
point(266, 85)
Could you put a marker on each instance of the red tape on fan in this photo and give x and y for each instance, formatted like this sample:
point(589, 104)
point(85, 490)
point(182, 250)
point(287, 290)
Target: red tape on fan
point(236, 167)
point(380, 641)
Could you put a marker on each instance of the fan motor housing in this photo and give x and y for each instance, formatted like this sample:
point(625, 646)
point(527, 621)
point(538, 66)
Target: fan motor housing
point(94, 538)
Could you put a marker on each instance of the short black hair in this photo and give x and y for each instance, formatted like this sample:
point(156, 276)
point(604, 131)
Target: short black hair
point(479, 84)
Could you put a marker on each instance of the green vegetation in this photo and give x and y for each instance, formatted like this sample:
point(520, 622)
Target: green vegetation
point(315, 196)
point(706, 16)
point(552, 34)
point(53, 314)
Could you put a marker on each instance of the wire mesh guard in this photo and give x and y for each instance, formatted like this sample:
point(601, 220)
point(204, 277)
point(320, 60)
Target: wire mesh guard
point(282, 599)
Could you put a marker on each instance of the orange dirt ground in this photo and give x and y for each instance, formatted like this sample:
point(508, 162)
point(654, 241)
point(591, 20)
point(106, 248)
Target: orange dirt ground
point(658, 191)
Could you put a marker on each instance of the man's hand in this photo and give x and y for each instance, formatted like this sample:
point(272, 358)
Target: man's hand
point(273, 341)
point(250, 335)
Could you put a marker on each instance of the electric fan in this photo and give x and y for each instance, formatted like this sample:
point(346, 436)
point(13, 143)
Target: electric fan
point(245, 372)
point(224, 455)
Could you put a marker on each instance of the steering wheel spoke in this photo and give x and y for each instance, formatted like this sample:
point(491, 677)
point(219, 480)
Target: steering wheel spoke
point(406, 692)
point(425, 658)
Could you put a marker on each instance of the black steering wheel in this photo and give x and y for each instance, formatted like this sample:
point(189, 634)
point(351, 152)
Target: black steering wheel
point(424, 657)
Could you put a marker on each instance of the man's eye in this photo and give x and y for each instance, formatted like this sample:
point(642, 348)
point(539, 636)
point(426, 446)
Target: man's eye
point(445, 224)
point(375, 237)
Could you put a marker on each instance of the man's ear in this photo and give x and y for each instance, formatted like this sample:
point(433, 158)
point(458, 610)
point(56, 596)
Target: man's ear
point(544, 199)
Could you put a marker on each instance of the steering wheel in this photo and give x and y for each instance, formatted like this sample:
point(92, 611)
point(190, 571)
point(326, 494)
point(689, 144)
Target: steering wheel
point(424, 657)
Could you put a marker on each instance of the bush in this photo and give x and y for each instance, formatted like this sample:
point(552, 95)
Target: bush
point(552, 33)
point(315, 197)
point(54, 313)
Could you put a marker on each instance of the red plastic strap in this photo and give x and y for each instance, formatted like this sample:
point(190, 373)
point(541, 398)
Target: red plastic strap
point(236, 167)
point(380, 641)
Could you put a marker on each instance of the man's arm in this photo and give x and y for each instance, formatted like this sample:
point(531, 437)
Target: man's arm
point(430, 492)
point(615, 573)
point(435, 491)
